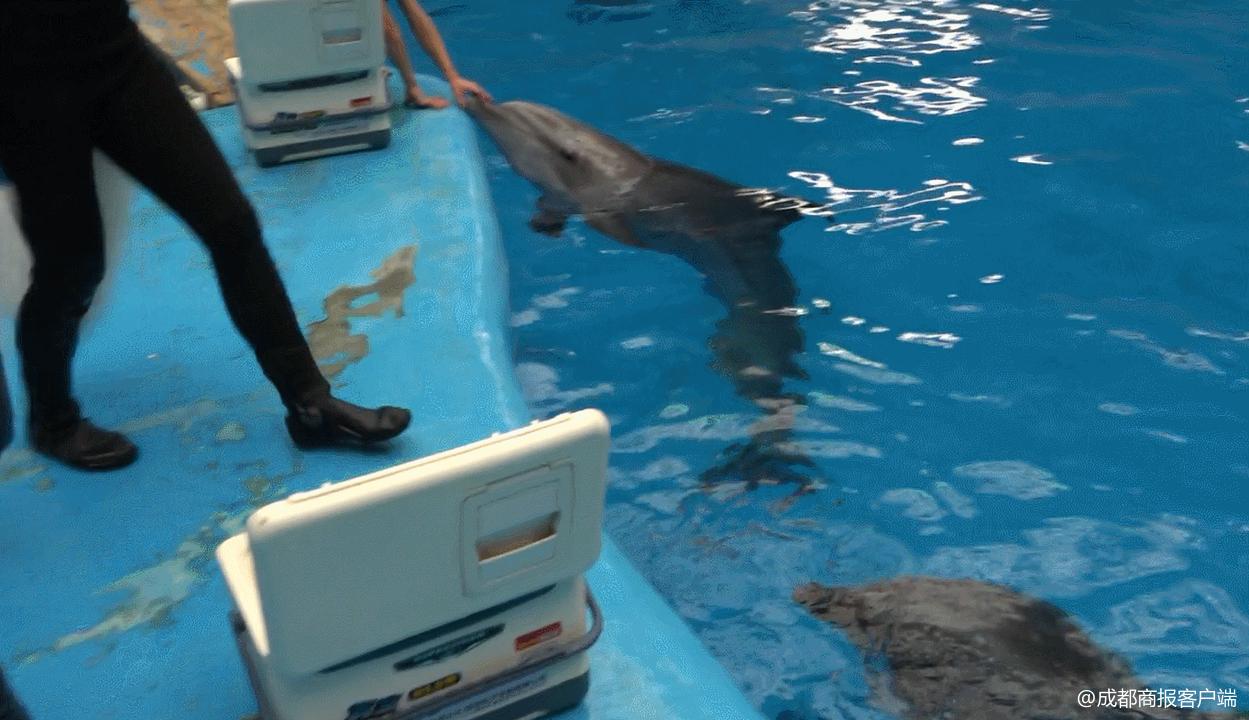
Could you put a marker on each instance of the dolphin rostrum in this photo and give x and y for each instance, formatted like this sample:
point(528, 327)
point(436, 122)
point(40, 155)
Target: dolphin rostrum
point(728, 233)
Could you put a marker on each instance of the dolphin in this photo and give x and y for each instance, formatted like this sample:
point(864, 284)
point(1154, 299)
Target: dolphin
point(584, 11)
point(728, 233)
point(971, 649)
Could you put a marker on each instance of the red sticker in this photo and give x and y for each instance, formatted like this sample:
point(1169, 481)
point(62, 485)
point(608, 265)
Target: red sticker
point(539, 636)
point(361, 101)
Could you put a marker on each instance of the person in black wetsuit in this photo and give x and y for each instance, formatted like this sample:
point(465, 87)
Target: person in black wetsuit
point(77, 75)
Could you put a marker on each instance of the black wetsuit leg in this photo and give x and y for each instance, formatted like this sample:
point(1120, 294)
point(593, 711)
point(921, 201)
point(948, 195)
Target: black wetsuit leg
point(77, 75)
point(146, 126)
point(6, 411)
point(60, 218)
point(10, 708)
point(45, 149)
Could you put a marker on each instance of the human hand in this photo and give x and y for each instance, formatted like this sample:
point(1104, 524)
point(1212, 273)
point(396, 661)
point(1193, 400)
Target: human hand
point(463, 87)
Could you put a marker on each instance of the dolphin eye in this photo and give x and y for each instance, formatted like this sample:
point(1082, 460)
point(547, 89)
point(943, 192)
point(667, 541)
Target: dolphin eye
point(568, 155)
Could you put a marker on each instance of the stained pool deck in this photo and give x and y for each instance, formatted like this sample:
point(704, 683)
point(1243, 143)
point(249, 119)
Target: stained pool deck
point(112, 605)
point(196, 37)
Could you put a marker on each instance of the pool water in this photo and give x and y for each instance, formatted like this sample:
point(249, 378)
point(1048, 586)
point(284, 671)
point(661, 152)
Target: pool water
point(1027, 331)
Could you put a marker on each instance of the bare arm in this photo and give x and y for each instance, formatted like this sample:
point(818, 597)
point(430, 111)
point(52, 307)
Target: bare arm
point(431, 41)
point(427, 34)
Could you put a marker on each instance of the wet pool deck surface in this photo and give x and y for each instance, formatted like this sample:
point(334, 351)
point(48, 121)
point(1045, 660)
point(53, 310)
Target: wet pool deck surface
point(112, 601)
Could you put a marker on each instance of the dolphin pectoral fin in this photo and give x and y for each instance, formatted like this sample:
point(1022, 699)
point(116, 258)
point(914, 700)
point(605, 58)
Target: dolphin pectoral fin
point(613, 225)
point(548, 221)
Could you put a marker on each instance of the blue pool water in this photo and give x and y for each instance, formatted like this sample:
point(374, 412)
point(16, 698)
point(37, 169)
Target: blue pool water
point(1026, 333)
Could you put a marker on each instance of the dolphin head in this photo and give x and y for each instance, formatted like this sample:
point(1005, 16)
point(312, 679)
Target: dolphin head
point(567, 159)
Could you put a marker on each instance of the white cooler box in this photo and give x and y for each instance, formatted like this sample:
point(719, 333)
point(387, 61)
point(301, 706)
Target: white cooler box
point(309, 78)
point(449, 588)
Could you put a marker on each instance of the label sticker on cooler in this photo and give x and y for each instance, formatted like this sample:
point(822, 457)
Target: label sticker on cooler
point(539, 636)
point(428, 689)
point(501, 695)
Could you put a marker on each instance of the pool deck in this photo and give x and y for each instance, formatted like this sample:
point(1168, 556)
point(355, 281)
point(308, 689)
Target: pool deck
point(196, 37)
point(113, 605)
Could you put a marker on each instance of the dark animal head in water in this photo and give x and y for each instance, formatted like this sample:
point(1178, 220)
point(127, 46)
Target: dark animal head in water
point(971, 649)
point(571, 161)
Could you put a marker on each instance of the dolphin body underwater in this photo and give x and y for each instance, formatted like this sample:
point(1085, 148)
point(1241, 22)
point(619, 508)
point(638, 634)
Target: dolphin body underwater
point(728, 233)
point(981, 651)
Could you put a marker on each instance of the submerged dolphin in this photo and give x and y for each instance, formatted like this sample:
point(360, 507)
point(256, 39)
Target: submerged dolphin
point(971, 649)
point(728, 233)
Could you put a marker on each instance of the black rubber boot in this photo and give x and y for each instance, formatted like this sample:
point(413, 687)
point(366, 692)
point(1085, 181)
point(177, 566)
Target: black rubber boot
point(77, 442)
point(325, 420)
point(315, 418)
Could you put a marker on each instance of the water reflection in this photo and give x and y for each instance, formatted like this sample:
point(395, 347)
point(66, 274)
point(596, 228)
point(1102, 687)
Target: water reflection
point(889, 204)
point(1179, 359)
point(922, 27)
point(890, 101)
point(902, 34)
point(1072, 556)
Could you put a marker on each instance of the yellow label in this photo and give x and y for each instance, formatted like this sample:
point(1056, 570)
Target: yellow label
point(436, 686)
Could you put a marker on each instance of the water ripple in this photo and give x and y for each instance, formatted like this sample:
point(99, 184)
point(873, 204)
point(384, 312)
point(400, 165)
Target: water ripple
point(835, 449)
point(1214, 335)
point(902, 33)
point(1190, 617)
point(1033, 159)
point(1068, 557)
point(1012, 478)
point(841, 353)
point(877, 376)
point(915, 27)
point(540, 385)
point(891, 101)
point(722, 427)
point(916, 504)
point(994, 400)
point(1036, 14)
point(940, 339)
point(1181, 359)
point(888, 203)
point(552, 301)
point(1118, 409)
point(838, 402)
